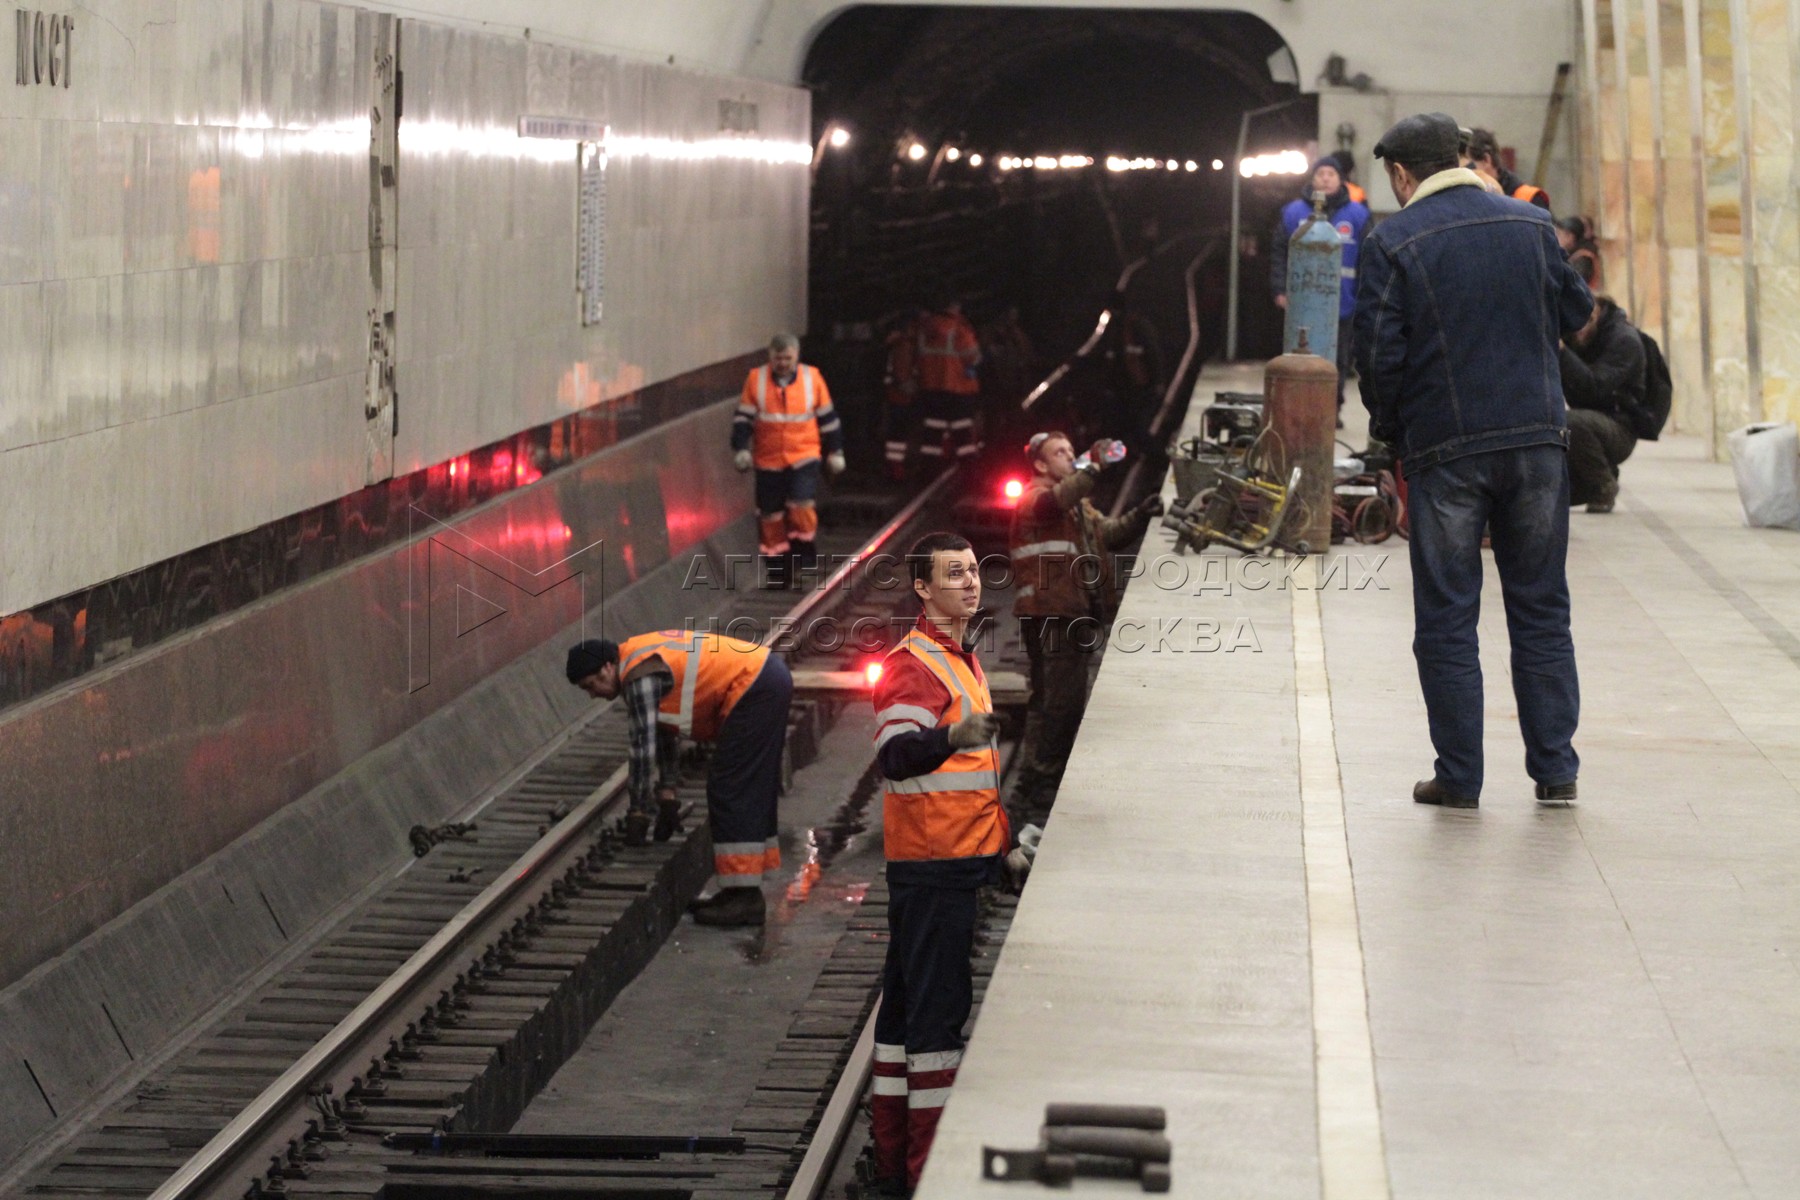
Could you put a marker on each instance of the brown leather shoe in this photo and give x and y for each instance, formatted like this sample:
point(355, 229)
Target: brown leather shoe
point(1430, 791)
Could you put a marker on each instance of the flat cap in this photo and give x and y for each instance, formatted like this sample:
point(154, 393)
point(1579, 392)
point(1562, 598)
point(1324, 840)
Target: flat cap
point(1420, 138)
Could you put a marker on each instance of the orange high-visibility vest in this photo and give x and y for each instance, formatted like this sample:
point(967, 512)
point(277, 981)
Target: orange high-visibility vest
point(703, 695)
point(948, 355)
point(786, 418)
point(954, 812)
point(1357, 195)
point(1529, 193)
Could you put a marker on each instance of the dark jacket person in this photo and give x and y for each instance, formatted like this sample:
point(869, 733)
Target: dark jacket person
point(1462, 301)
point(1603, 379)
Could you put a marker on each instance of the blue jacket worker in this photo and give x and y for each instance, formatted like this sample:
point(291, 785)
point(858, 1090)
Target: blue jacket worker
point(1350, 218)
point(1462, 303)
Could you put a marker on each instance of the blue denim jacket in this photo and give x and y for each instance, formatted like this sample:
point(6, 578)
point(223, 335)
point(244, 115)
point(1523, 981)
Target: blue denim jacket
point(1462, 300)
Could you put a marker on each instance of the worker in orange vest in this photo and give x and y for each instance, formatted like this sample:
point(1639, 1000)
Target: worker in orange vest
point(1064, 594)
point(901, 391)
point(710, 688)
point(1484, 156)
point(945, 834)
point(949, 381)
point(784, 423)
point(1346, 162)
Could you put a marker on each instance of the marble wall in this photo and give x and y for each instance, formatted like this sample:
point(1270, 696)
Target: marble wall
point(1690, 108)
point(200, 292)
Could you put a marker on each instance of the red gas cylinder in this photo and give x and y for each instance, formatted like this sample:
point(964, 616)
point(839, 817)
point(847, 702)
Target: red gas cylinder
point(1300, 407)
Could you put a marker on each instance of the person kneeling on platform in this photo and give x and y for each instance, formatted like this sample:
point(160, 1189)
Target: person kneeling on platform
point(713, 689)
point(784, 421)
point(1063, 595)
point(944, 833)
point(1603, 381)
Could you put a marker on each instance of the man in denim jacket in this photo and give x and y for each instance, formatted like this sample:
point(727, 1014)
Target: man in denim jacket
point(1462, 301)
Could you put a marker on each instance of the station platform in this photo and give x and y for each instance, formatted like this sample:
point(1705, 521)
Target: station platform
point(1238, 912)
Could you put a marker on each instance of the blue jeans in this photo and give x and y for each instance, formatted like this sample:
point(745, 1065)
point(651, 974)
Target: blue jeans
point(1522, 497)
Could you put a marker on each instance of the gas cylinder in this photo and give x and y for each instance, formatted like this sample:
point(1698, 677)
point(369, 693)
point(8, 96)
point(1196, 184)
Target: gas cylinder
point(1300, 410)
point(1315, 281)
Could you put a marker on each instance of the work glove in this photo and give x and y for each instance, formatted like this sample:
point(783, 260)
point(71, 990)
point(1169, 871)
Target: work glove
point(973, 731)
point(835, 463)
point(741, 460)
point(1151, 506)
point(1016, 866)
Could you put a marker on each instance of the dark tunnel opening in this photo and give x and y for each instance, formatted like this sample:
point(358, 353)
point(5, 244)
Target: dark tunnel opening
point(922, 196)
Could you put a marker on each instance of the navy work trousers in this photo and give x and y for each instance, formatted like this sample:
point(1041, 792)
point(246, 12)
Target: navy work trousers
point(927, 991)
point(744, 783)
point(1521, 497)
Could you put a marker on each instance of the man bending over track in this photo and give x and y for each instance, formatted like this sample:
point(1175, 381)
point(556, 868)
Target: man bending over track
point(712, 689)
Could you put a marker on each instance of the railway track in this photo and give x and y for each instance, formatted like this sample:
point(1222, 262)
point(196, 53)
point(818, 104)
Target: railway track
point(447, 1002)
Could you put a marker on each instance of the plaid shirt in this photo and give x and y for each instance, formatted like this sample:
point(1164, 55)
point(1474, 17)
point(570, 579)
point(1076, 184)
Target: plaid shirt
point(655, 752)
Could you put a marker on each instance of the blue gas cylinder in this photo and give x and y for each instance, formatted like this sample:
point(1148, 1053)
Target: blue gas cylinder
point(1314, 286)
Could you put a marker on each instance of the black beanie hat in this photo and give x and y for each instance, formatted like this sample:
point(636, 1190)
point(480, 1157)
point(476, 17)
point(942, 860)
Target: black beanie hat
point(588, 657)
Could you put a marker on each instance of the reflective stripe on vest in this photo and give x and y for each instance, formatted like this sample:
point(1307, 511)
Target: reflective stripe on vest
point(949, 350)
point(1051, 547)
point(952, 812)
point(947, 674)
point(730, 664)
point(945, 781)
point(803, 375)
point(688, 644)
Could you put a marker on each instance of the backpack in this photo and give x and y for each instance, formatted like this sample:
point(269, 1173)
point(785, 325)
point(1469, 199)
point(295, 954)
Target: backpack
point(1648, 416)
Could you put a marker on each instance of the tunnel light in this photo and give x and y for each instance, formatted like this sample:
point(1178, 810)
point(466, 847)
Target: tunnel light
point(1191, 165)
point(1218, 164)
point(839, 137)
point(1284, 162)
point(1013, 490)
point(952, 153)
point(872, 673)
point(1173, 165)
point(974, 160)
point(916, 151)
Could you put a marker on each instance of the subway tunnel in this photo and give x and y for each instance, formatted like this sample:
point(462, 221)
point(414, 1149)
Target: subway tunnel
point(362, 359)
point(979, 89)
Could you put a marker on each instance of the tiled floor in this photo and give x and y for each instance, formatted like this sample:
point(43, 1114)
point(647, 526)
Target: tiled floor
point(1597, 1002)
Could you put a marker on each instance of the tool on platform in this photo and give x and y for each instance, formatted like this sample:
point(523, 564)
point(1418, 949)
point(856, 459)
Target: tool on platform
point(1245, 508)
point(1094, 1141)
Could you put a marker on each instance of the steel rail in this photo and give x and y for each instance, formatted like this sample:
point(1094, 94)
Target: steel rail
point(276, 1100)
point(254, 1123)
point(827, 1143)
point(812, 600)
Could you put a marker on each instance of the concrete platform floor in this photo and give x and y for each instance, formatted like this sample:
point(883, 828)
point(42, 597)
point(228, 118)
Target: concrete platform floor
point(1238, 912)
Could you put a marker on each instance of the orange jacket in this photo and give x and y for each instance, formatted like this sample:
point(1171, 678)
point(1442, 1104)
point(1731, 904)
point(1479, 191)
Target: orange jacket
point(1062, 549)
point(949, 353)
point(954, 812)
point(1531, 193)
point(902, 378)
point(784, 425)
point(702, 697)
point(1357, 195)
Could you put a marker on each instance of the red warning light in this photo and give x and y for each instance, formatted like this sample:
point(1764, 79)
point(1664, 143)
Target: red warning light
point(872, 673)
point(1014, 489)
